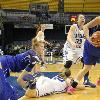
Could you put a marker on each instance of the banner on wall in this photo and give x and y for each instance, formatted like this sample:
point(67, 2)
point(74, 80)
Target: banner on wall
point(49, 26)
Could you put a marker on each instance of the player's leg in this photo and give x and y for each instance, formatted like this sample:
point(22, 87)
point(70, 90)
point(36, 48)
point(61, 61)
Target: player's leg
point(67, 58)
point(79, 76)
point(80, 86)
point(89, 60)
point(87, 82)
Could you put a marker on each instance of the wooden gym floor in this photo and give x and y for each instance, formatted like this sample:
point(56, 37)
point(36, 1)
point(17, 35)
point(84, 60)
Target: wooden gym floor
point(87, 94)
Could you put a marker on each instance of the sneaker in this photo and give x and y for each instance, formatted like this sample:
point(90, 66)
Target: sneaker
point(98, 82)
point(89, 84)
point(70, 90)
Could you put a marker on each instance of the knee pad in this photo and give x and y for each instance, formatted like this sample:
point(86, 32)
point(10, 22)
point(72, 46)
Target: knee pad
point(68, 64)
point(74, 84)
point(82, 60)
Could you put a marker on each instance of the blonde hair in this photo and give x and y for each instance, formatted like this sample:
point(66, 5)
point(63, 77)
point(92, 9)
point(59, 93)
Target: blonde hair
point(38, 28)
point(35, 43)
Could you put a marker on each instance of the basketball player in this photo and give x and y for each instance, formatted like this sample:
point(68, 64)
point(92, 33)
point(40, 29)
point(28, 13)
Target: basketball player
point(41, 85)
point(73, 48)
point(41, 37)
point(40, 32)
point(21, 61)
point(74, 44)
point(91, 53)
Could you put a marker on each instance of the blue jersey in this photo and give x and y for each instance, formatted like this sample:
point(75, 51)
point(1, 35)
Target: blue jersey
point(21, 60)
point(6, 90)
point(91, 53)
point(18, 62)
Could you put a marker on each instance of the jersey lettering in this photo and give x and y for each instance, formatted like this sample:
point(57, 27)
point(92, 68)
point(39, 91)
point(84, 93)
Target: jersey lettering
point(59, 78)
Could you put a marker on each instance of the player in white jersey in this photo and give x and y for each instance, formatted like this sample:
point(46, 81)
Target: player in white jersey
point(41, 85)
point(73, 48)
point(40, 32)
point(41, 37)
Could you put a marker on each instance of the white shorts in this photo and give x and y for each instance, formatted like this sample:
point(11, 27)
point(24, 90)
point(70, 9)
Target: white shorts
point(72, 54)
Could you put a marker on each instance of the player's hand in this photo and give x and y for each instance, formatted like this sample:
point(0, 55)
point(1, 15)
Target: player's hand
point(35, 58)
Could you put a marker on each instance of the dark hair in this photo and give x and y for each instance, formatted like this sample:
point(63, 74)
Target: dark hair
point(65, 73)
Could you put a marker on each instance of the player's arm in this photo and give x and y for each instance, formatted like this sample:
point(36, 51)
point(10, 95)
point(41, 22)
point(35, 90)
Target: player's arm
point(94, 22)
point(69, 81)
point(40, 33)
point(40, 36)
point(91, 24)
point(70, 35)
point(25, 72)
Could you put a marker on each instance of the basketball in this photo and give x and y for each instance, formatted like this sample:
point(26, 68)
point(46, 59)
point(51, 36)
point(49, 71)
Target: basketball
point(96, 38)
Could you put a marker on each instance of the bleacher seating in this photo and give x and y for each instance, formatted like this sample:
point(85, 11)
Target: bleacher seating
point(69, 5)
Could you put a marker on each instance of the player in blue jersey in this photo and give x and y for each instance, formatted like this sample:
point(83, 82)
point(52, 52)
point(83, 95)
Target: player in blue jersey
point(91, 53)
point(28, 59)
point(20, 61)
point(7, 92)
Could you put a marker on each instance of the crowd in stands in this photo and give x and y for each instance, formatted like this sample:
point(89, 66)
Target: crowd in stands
point(54, 50)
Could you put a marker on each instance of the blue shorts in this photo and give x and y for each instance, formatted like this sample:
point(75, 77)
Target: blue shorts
point(6, 90)
point(91, 54)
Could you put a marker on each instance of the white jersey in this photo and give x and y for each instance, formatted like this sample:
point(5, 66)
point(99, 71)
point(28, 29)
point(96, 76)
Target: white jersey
point(40, 36)
point(78, 37)
point(47, 86)
point(70, 53)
